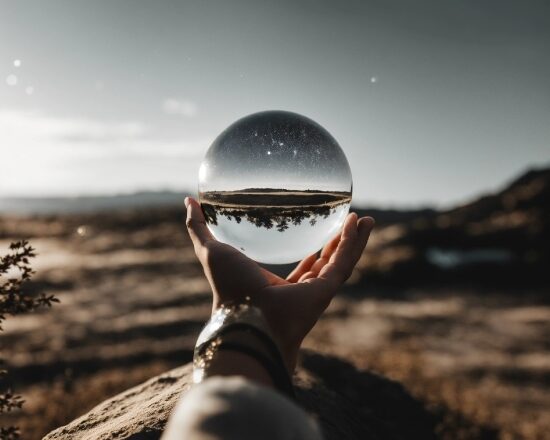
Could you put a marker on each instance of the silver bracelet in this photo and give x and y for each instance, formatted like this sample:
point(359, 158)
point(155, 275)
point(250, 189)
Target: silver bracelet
point(209, 338)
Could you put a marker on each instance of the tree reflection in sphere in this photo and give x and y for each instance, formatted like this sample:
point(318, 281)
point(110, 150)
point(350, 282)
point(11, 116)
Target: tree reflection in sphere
point(275, 185)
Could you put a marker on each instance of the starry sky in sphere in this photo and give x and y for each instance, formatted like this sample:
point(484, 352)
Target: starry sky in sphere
point(276, 150)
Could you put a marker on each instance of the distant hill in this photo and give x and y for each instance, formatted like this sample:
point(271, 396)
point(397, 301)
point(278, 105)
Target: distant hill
point(87, 204)
point(499, 238)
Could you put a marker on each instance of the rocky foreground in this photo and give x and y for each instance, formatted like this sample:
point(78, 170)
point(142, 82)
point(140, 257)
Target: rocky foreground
point(348, 405)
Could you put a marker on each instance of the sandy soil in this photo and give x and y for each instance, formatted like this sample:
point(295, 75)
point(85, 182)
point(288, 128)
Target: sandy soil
point(133, 300)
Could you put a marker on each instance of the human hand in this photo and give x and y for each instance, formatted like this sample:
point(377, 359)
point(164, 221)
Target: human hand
point(293, 305)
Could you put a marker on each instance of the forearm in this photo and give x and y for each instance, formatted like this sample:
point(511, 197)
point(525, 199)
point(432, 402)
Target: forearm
point(233, 363)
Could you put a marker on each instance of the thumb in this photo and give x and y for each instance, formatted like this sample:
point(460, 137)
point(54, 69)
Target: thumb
point(196, 224)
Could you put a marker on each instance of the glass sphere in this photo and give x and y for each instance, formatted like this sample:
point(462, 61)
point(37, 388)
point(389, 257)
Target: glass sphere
point(275, 185)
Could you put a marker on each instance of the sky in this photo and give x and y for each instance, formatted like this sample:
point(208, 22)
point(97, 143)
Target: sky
point(432, 101)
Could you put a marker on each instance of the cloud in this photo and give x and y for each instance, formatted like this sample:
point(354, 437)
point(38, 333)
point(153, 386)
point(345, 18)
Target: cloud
point(60, 155)
point(16, 125)
point(186, 108)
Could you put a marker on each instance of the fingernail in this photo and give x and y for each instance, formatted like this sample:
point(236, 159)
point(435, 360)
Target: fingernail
point(370, 221)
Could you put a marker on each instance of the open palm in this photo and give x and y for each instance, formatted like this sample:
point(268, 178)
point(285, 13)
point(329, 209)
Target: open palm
point(293, 305)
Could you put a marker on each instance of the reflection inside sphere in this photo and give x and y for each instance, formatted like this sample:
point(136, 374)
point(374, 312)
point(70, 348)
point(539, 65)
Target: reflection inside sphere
point(275, 185)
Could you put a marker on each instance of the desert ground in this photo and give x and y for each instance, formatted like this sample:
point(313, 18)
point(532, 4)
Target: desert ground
point(133, 299)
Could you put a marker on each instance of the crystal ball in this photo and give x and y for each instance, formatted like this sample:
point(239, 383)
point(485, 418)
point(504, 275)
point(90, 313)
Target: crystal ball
point(275, 185)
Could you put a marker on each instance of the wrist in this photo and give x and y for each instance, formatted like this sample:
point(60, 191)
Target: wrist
point(237, 332)
point(289, 352)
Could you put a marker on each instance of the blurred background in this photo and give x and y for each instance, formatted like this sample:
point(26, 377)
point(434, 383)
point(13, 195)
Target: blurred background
point(443, 110)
